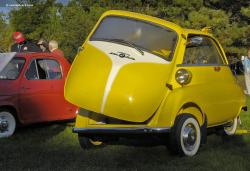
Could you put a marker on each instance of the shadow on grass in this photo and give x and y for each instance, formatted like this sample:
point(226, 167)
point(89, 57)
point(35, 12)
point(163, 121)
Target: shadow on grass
point(139, 141)
point(40, 133)
point(55, 147)
point(234, 140)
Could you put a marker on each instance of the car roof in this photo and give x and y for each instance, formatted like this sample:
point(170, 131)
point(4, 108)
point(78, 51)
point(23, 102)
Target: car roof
point(38, 54)
point(199, 32)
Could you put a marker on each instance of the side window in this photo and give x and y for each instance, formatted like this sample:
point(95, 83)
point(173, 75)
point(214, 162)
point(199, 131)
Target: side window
point(31, 73)
point(44, 69)
point(201, 50)
point(41, 68)
point(54, 69)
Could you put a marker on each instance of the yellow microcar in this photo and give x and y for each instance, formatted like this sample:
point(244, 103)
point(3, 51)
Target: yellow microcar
point(140, 75)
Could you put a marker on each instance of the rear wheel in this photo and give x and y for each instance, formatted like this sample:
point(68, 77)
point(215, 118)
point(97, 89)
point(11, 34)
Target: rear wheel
point(7, 124)
point(231, 128)
point(185, 137)
point(88, 143)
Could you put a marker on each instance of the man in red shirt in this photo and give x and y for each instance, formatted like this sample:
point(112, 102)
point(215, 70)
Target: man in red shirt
point(53, 47)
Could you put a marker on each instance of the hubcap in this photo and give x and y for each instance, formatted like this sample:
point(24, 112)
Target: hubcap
point(3, 125)
point(95, 142)
point(189, 137)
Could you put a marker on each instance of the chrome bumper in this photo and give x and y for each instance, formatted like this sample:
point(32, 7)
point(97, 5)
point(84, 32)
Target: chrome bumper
point(120, 130)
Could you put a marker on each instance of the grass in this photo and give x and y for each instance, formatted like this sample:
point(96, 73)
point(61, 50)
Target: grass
point(55, 147)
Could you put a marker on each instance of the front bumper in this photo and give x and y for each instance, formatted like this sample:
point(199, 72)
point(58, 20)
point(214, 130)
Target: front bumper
point(143, 130)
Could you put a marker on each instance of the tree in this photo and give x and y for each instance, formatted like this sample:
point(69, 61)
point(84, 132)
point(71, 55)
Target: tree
point(5, 34)
point(34, 20)
point(70, 24)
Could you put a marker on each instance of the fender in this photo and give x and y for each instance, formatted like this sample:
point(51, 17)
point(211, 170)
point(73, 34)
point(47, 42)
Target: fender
point(177, 102)
point(10, 102)
point(193, 109)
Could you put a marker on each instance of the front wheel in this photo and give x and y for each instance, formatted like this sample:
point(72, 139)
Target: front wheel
point(88, 143)
point(185, 137)
point(7, 124)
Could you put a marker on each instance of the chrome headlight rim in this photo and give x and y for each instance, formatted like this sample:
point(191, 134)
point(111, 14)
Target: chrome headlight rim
point(183, 76)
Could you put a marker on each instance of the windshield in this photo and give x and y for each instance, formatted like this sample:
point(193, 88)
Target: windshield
point(12, 69)
point(147, 36)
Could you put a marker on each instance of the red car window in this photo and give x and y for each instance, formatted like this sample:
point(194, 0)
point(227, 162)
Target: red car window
point(12, 69)
point(49, 69)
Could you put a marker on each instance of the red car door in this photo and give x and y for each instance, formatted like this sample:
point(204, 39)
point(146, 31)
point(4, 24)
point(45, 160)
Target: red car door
point(41, 95)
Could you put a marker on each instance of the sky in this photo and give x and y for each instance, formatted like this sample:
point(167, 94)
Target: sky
point(7, 5)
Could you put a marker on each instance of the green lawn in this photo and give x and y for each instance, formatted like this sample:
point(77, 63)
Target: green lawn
point(55, 147)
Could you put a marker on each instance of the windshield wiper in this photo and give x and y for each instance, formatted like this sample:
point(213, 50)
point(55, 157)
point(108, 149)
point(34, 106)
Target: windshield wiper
point(127, 43)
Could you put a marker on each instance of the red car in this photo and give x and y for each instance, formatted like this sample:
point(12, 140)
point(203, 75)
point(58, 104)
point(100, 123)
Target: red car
point(31, 91)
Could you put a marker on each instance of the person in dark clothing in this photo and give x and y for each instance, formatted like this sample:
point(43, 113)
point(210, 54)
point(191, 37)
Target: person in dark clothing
point(22, 45)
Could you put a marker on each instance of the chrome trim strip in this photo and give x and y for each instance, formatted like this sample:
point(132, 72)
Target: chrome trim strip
point(121, 130)
point(201, 65)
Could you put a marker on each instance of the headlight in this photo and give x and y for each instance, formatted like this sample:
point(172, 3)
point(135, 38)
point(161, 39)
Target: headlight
point(183, 76)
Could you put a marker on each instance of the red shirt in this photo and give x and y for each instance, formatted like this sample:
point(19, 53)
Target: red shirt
point(58, 52)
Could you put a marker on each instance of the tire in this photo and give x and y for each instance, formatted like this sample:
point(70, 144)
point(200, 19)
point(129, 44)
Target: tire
point(185, 136)
point(7, 124)
point(230, 130)
point(87, 143)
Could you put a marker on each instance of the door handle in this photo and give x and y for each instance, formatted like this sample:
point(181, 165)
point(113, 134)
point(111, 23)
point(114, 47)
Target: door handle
point(26, 88)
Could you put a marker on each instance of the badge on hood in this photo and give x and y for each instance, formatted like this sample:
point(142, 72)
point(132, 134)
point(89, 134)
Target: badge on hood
point(122, 55)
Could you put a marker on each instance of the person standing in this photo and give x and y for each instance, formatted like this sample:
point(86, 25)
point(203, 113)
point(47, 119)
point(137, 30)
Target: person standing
point(246, 63)
point(53, 47)
point(22, 45)
point(43, 44)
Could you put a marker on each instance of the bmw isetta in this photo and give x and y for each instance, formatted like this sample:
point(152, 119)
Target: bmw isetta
point(140, 75)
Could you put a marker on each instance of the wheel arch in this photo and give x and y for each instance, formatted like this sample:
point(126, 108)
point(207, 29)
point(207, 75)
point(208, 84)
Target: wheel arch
point(12, 110)
point(193, 109)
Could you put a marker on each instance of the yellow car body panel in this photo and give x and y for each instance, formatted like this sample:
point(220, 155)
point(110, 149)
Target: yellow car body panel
point(144, 87)
point(146, 94)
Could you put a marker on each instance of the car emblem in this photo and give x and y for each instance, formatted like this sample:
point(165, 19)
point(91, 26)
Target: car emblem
point(122, 55)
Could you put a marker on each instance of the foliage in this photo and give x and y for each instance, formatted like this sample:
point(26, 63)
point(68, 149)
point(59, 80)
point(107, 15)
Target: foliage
point(5, 34)
point(70, 23)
